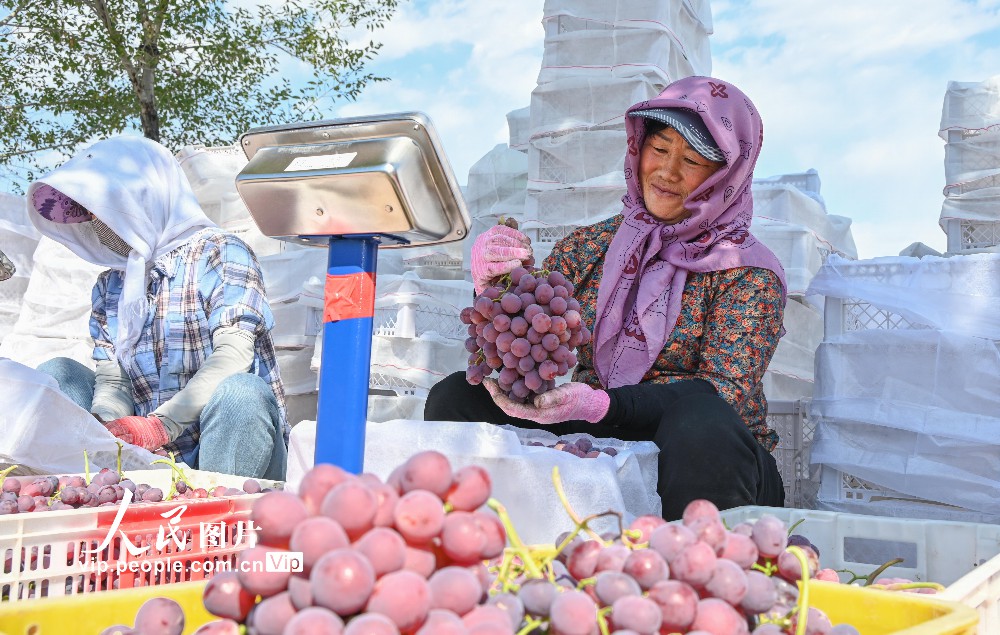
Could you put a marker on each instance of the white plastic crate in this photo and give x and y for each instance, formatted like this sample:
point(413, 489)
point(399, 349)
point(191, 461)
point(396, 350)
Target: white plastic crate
point(790, 421)
point(961, 556)
point(46, 554)
point(969, 235)
point(851, 314)
point(398, 385)
point(414, 320)
point(841, 491)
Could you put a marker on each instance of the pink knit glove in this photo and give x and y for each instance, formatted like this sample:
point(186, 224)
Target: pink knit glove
point(146, 432)
point(497, 251)
point(570, 401)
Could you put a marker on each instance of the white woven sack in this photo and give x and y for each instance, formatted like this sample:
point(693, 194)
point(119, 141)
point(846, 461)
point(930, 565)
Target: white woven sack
point(44, 432)
point(521, 474)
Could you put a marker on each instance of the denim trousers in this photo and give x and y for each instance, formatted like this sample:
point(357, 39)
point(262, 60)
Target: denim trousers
point(240, 425)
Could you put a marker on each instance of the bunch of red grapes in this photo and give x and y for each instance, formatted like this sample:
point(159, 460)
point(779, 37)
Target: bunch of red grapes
point(526, 326)
point(417, 556)
point(402, 556)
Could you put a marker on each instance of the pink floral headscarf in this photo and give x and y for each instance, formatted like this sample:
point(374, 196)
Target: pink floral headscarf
point(648, 261)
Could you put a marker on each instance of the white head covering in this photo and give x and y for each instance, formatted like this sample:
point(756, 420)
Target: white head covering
point(137, 188)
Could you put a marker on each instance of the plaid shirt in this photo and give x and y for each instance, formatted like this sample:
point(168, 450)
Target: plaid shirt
point(211, 281)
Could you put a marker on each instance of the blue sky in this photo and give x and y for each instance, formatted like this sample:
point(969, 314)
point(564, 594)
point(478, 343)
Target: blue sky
point(853, 89)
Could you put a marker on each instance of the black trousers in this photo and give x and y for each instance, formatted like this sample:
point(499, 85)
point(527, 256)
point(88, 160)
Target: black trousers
point(706, 451)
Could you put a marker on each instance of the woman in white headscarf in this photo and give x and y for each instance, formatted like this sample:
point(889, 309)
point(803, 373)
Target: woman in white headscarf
point(180, 321)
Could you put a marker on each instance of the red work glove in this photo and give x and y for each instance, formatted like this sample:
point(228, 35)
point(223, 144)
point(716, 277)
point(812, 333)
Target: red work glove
point(568, 402)
point(497, 251)
point(145, 432)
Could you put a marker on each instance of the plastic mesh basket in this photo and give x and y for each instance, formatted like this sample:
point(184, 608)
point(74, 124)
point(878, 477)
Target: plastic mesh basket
point(790, 421)
point(968, 235)
point(57, 553)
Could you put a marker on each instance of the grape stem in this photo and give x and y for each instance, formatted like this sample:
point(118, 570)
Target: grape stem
point(602, 620)
point(802, 604)
point(904, 586)
point(518, 546)
point(121, 474)
point(871, 577)
point(86, 467)
point(530, 625)
point(176, 475)
point(766, 570)
point(580, 524)
point(5, 472)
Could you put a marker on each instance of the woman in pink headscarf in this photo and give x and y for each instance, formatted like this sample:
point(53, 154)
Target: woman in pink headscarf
point(684, 303)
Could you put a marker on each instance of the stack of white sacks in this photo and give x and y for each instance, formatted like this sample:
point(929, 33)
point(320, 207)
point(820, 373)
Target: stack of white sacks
point(418, 336)
point(970, 124)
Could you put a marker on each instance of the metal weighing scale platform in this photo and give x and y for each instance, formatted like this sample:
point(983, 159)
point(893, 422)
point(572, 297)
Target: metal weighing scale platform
point(352, 186)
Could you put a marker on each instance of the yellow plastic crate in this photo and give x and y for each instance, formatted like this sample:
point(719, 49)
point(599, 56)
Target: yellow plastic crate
point(871, 611)
point(877, 612)
point(90, 613)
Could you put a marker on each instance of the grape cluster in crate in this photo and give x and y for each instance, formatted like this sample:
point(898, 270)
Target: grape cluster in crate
point(419, 554)
point(107, 488)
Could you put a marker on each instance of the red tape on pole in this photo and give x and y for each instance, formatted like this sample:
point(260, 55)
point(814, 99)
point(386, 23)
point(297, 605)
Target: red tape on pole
point(349, 296)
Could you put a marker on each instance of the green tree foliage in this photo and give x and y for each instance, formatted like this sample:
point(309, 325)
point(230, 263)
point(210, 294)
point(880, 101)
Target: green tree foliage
point(180, 71)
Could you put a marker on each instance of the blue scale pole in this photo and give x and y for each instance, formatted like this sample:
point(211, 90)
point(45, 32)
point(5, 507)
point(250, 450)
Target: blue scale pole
point(342, 407)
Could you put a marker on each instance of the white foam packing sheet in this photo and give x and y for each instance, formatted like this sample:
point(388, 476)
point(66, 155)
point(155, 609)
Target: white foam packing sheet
point(572, 206)
point(518, 127)
point(689, 23)
point(295, 324)
point(577, 156)
point(497, 181)
point(211, 171)
point(286, 272)
point(800, 251)
point(390, 407)
point(960, 293)
point(971, 105)
point(972, 156)
point(295, 366)
point(54, 316)
point(576, 102)
point(521, 474)
point(796, 350)
point(983, 206)
point(915, 410)
point(780, 202)
point(645, 46)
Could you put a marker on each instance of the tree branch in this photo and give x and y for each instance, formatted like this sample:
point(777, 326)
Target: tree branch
point(7, 20)
point(5, 156)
